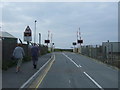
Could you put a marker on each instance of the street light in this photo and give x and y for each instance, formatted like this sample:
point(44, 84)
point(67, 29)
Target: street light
point(39, 38)
point(35, 32)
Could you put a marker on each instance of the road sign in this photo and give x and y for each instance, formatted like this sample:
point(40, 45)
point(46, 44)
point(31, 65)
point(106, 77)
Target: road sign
point(28, 34)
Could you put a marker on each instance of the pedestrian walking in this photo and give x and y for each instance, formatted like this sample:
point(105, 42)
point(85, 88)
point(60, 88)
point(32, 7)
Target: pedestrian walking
point(35, 54)
point(18, 54)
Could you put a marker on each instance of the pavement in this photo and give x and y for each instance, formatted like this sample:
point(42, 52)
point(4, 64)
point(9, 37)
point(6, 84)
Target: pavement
point(11, 79)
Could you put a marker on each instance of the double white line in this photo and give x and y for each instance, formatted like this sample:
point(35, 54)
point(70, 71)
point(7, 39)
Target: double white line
point(84, 72)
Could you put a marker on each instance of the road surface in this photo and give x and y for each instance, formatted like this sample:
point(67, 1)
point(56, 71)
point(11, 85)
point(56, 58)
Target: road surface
point(72, 70)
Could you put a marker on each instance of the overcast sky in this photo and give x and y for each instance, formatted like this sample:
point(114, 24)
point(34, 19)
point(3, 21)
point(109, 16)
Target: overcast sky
point(98, 21)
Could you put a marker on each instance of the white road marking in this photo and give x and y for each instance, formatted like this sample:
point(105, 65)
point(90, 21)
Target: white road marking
point(71, 60)
point(84, 73)
point(93, 81)
point(80, 65)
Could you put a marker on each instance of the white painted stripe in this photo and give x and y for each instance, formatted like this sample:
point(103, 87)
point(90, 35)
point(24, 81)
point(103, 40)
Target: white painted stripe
point(23, 86)
point(93, 81)
point(70, 60)
point(80, 65)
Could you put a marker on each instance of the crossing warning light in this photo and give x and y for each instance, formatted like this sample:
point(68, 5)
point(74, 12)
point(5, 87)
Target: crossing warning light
point(47, 41)
point(80, 41)
point(74, 43)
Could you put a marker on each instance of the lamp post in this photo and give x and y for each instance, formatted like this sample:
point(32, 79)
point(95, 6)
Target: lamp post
point(39, 38)
point(35, 32)
point(0, 28)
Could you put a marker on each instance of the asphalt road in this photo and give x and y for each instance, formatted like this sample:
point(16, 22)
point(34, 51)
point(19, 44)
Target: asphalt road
point(72, 70)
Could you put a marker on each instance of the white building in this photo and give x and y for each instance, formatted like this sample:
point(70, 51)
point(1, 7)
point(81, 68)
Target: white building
point(110, 49)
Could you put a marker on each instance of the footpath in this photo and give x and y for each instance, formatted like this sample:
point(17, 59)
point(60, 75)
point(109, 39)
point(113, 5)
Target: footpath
point(11, 79)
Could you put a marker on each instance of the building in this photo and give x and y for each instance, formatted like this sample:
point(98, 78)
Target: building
point(111, 49)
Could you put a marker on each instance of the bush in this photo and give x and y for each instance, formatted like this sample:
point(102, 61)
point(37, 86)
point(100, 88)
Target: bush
point(8, 64)
point(48, 51)
point(26, 58)
point(11, 63)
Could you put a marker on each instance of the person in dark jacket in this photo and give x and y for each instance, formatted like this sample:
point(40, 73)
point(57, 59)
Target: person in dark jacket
point(35, 54)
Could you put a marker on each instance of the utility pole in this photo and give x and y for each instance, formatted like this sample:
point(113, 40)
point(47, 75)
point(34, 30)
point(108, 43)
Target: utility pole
point(35, 32)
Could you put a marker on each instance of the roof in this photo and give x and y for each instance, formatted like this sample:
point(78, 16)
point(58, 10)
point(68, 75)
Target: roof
point(6, 34)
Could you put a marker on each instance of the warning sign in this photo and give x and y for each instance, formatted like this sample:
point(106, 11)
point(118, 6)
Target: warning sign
point(28, 34)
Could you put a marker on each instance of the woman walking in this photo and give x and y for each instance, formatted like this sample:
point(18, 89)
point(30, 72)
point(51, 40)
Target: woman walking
point(18, 54)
